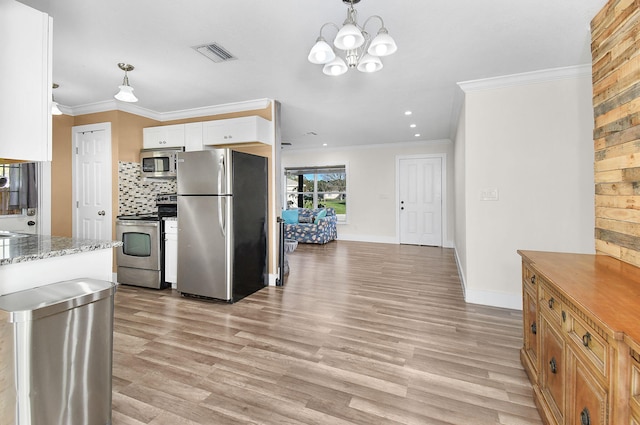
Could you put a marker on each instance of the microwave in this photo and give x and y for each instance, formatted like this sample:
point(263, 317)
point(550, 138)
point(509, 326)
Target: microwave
point(159, 163)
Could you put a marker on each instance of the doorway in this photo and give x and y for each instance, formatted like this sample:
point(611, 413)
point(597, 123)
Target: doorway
point(420, 199)
point(92, 212)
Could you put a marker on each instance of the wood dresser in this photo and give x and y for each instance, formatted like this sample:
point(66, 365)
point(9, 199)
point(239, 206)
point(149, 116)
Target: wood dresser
point(581, 341)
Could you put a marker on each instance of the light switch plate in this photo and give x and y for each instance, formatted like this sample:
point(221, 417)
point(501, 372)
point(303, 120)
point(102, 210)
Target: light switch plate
point(489, 194)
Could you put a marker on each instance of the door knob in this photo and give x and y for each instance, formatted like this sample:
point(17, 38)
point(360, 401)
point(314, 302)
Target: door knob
point(101, 212)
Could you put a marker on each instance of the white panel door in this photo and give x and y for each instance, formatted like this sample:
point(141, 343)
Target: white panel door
point(420, 196)
point(93, 185)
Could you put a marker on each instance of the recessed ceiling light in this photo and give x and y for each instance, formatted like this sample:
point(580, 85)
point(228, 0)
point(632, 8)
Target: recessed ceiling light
point(407, 112)
point(412, 126)
point(324, 144)
point(417, 134)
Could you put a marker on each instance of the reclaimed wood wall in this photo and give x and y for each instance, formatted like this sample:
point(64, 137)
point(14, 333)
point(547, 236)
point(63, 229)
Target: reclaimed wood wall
point(615, 48)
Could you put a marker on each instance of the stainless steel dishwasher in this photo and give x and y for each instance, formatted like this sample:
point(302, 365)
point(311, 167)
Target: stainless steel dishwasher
point(56, 345)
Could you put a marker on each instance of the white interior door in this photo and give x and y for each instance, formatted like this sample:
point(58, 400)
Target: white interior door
point(420, 198)
point(92, 182)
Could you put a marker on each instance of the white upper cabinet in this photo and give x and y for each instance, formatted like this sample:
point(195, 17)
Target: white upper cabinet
point(25, 83)
point(193, 136)
point(237, 130)
point(167, 136)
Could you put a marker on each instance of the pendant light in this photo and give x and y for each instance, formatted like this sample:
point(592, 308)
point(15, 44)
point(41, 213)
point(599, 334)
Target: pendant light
point(126, 91)
point(55, 110)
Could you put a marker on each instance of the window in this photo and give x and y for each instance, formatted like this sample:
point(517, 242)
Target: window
point(318, 187)
point(17, 188)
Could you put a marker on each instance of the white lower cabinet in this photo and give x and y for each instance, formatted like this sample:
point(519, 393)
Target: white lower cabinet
point(171, 252)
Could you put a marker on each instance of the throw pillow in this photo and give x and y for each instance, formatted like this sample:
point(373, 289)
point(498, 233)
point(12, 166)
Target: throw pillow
point(290, 216)
point(322, 214)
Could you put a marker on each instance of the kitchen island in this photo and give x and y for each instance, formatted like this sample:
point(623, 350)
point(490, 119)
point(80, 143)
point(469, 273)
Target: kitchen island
point(29, 261)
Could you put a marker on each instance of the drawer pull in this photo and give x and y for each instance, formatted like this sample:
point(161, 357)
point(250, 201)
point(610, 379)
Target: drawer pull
point(553, 365)
point(533, 279)
point(551, 302)
point(564, 316)
point(534, 328)
point(585, 419)
point(586, 339)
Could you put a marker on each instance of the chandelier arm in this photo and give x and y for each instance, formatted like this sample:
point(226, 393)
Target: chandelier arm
point(370, 18)
point(329, 24)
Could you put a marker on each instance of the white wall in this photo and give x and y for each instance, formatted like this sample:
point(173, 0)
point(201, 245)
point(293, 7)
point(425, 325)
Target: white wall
point(371, 185)
point(460, 204)
point(532, 141)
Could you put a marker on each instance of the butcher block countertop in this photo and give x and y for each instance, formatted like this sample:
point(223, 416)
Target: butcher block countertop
point(23, 248)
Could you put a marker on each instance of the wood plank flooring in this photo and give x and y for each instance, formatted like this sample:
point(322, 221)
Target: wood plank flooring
point(360, 334)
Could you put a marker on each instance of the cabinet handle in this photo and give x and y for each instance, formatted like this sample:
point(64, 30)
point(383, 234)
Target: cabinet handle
point(585, 419)
point(553, 365)
point(533, 279)
point(534, 328)
point(586, 339)
point(564, 316)
point(551, 302)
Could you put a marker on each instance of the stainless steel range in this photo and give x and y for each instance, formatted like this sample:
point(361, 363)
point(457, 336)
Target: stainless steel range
point(141, 257)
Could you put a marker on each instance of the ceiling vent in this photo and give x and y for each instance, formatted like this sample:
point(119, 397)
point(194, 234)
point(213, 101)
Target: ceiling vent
point(215, 52)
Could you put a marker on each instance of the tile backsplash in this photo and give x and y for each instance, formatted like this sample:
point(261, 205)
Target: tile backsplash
point(136, 195)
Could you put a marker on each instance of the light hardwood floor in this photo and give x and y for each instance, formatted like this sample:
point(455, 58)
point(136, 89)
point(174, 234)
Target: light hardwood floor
point(360, 334)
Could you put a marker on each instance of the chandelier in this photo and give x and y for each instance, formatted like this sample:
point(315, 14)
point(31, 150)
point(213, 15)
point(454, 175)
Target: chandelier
point(360, 51)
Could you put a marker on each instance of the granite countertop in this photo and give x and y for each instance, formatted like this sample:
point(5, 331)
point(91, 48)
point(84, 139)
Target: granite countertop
point(36, 247)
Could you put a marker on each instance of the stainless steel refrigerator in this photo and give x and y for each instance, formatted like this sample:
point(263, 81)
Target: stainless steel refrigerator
point(222, 224)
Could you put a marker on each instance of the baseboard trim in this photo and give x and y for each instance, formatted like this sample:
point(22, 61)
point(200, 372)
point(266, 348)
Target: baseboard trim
point(493, 299)
point(368, 238)
point(460, 273)
point(488, 298)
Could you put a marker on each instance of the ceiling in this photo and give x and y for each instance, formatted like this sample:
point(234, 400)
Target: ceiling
point(439, 43)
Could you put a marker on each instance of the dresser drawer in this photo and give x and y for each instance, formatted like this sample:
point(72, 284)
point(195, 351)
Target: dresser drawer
point(587, 341)
point(529, 278)
point(550, 304)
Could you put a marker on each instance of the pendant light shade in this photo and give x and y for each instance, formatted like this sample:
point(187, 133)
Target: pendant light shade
point(335, 67)
point(55, 110)
point(383, 44)
point(349, 37)
point(126, 91)
point(356, 48)
point(321, 52)
point(369, 63)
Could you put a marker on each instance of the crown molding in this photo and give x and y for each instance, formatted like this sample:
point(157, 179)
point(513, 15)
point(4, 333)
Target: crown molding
point(533, 77)
point(367, 146)
point(113, 105)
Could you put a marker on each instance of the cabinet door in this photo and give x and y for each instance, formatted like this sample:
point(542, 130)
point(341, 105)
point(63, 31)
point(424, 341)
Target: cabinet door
point(193, 137)
point(25, 67)
point(236, 130)
point(168, 136)
point(530, 331)
point(589, 406)
point(552, 368)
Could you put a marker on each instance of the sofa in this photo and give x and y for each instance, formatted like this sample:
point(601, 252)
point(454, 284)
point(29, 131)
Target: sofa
point(306, 225)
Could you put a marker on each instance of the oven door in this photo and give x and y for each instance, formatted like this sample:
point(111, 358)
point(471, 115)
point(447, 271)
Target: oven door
point(140, 245)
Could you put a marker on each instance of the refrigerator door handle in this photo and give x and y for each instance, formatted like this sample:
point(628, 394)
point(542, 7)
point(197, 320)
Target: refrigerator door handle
point(221, 219)
point(221, 175)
